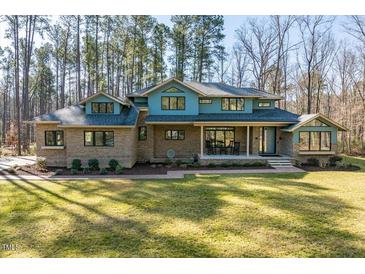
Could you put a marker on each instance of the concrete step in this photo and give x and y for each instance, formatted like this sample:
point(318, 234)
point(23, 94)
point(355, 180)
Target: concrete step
point(280, 163)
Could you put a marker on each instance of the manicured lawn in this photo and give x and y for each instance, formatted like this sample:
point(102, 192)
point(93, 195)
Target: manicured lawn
point(317, 214)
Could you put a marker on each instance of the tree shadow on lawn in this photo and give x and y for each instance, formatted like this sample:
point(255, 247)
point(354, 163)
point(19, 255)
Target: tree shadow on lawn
point(221, 206)
point(107, 236)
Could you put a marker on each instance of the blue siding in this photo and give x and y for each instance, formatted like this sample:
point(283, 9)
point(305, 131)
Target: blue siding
point(191, 101)
point(215, 107)
point(256, 104)
point(332, 129)
point(102, 99)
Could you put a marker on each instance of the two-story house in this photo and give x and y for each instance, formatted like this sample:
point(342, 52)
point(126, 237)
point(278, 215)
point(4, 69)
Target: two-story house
point(176, 120)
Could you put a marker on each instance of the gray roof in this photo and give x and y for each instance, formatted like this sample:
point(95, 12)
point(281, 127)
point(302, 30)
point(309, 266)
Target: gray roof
point(258, 115)
point(224, 90)
point(213, 89)
point(75, 115)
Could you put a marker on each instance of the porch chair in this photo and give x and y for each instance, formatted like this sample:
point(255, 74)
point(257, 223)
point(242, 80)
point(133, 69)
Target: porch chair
point(231, 146)
point(209, 147)
point(236, 148)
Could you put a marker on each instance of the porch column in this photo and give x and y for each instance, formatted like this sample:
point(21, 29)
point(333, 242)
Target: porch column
point(248, 141)
point(201, 141)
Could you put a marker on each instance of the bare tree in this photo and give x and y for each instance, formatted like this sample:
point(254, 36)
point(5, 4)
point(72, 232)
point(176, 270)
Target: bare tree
point(313, 30)
point(240, 65)
point(259, 41)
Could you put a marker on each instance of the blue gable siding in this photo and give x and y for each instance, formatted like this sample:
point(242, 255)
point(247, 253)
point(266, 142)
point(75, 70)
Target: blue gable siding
point(332, 129)
point(102, 99)
point(256, 104)
point(191, 100)
point(216, 107)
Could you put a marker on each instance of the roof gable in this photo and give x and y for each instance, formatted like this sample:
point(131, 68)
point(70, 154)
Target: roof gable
point(114, 98)
point(307, 118)
point(154, 88)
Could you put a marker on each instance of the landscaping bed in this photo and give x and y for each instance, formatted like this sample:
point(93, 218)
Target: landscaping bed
point(137, 169)
point(330, 168)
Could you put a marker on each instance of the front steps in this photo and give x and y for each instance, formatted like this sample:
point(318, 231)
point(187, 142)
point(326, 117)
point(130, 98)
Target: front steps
point(278, 163)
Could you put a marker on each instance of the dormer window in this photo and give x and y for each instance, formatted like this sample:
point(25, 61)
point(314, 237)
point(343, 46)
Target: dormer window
point(97, 107)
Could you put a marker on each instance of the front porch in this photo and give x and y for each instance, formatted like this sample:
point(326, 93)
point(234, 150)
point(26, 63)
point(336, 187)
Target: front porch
point(238, 142)
point(243, 157)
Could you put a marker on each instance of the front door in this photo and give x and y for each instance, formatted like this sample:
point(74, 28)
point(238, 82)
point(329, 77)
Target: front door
point(268, 140)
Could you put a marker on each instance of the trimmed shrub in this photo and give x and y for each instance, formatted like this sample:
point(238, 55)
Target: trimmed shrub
point(178, 163)
point(74, 171)
point(41, 163)
point(58, 172)
point(211, 165)
point(113, 164)
point(86, 170)
point(168, 162)
point(313, 162)
point(93, 164)
point(119, 169)
point(334, 159)
point(103, 171)
point(195, 158)
point(258, 164)
point(76, 164)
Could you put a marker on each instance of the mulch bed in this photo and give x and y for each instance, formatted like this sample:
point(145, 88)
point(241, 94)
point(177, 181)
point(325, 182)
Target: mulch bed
point(29, 170)
point(138, 169)
point(316, 168)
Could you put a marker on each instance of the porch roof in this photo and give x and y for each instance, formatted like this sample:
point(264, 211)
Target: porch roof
point(259, 115)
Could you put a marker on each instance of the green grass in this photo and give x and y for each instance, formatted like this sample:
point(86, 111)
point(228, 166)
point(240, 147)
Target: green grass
point(316, 214)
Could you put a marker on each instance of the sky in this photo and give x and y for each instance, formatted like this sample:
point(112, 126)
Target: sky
point(231, 23)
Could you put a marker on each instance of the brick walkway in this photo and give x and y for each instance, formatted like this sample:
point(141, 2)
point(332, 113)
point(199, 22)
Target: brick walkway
point(175, 174)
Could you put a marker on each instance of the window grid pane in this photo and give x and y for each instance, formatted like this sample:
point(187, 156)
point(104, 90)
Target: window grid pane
point(181, 103)
point(109, 138)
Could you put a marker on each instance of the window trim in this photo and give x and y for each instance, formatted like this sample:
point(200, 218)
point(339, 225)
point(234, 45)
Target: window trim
point(98, 107)
point(93, 138)
point(177, 102)
point(320, 141)
point(139, 133)
point(224, 129)
point(229, 103)
point(178, 134)
point(54, 133)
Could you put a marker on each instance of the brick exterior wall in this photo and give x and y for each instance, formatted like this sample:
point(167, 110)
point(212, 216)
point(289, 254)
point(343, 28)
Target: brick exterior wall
point(124, 149)
point(183, 148)
point(54, 157)
point(322, 158)
point(284, 142)
point(145, 147)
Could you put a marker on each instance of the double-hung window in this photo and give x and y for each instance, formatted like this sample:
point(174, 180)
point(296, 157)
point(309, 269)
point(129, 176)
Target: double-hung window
point(97, 107)
point(54, 138)
point(99, 138)
point(174, 134)
point(173, 102)
point(233, 104)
